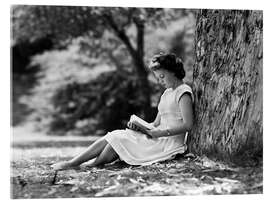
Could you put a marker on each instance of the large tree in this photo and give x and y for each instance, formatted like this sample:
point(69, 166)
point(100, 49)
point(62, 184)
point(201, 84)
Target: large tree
point(228, 84)
point(102, 30)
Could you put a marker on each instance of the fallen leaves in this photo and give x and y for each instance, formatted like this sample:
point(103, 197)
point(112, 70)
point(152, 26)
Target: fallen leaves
point(189, 175)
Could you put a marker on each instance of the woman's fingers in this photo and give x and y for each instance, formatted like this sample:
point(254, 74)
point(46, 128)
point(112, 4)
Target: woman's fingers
point(131, 126)
point(148, 134)
point(135, 127)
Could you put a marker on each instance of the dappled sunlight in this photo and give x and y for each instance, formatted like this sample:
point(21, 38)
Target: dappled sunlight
point(32, 176)
point(79, 72)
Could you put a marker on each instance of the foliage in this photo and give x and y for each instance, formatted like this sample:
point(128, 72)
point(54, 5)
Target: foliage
point(124, 26)
point(94, 24)
point(182, 44)
point(103, 104)
point(71, 95)
point(93, 49)
point(57, 69)
point(110, 33)
point(22, 52)
point(67, 22)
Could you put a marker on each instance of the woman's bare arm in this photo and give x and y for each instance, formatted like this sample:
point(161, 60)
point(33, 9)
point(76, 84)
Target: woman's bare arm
point(156, 122)
point(185, 104)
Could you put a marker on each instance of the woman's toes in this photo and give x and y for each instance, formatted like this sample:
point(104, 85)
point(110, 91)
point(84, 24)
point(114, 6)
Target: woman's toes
point(61, 166)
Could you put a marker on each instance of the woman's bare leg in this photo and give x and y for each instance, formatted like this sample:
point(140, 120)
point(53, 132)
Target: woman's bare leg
point(108, 155)
point(91, 152)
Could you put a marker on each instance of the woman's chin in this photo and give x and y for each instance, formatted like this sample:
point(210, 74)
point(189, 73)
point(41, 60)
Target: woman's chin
point(164, 85)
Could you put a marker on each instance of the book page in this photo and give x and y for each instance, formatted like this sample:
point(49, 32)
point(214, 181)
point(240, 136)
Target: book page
point(140, 122)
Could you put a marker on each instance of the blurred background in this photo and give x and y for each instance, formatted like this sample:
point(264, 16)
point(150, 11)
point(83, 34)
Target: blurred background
point(83, 70)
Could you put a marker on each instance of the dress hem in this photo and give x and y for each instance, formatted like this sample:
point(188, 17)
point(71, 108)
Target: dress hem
point(123, 154)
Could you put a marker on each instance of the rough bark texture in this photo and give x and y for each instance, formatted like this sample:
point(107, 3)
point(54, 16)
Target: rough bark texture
point(228, 84)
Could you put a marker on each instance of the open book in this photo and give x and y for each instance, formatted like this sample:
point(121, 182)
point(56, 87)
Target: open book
point(140, 123)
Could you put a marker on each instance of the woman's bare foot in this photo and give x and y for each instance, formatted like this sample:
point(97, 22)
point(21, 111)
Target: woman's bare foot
point(64, 165)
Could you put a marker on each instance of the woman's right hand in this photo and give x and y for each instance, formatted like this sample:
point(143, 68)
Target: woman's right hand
point(132, 126)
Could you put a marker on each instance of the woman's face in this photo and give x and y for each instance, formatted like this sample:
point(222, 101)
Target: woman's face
point(164, 77)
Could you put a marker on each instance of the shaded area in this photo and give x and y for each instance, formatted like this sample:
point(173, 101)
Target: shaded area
point(104, 103)
point(32, 176)
point(23, 77)
point(21, 86)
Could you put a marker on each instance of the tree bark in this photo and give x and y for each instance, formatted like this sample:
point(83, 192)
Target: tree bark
point(227, 83)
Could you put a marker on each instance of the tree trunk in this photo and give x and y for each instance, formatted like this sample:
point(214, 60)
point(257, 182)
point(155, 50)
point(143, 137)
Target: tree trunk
point(227, 83)
point(142, 73)
point(144, 89)
point(137, 57)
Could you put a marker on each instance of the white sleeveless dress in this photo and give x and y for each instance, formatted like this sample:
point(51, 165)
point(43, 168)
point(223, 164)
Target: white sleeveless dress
point(136, 149)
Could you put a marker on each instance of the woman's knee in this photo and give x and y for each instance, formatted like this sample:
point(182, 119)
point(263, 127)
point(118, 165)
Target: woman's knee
point(110, 153)
point(111, 149)
point(102, 141)
point(107, 155)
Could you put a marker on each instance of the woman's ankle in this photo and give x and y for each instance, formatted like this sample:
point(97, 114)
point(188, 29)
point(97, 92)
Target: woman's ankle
point(72, 163)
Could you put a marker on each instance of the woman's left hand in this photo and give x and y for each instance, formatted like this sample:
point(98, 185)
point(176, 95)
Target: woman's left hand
point(155, 133)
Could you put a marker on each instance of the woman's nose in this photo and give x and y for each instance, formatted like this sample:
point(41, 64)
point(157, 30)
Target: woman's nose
point(161, 81)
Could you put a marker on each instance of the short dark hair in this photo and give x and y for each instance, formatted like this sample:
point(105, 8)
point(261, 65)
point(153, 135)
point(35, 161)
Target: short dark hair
point(169, 62)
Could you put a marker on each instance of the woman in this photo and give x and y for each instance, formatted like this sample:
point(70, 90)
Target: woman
point(171, 126)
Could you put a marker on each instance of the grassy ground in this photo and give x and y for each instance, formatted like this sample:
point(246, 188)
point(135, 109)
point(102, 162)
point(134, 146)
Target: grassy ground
point(32, 177)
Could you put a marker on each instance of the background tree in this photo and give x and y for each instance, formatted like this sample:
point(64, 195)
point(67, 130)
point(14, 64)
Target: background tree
point(60, 101)
point(227, 81)
point(102, 31)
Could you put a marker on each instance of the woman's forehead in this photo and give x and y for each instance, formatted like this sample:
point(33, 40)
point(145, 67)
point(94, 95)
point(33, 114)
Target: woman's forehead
point(160, 71)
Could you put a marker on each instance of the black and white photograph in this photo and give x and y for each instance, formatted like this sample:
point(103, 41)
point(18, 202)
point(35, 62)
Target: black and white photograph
point(135, 101)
